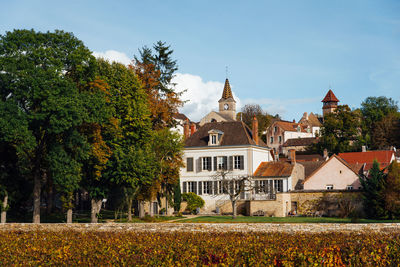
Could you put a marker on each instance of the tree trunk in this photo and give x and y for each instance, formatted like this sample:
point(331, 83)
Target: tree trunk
point(36, 199)
point(50, 198)
point(234, 211)
point(95, 210)
point(69, 216)
point(166, 205)
point(4, 209)
point(130, 202)
point(141, 209)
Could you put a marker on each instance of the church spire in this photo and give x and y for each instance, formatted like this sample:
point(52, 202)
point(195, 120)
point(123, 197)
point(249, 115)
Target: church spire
point(227, 93)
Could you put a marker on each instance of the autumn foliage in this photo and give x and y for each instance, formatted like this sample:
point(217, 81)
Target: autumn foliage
point(74, 248)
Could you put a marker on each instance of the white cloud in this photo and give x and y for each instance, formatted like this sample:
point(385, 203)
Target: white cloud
point(202, 97)
point(113, 55)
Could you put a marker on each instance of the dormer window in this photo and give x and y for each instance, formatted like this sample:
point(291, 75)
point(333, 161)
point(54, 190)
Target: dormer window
point(298, 128)
point(215, 137)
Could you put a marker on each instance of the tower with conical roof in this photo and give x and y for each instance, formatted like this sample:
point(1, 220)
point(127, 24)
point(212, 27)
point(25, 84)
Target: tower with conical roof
point(330, 103)
point(227, 104)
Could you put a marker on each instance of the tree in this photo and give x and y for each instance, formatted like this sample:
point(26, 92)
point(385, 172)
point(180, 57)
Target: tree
point(385, 133)
point(249, 111)
point(43, 74)
point(392, 191)
point(167, 147)
point(177, 197)
point(132, 163)
point(155, 69)
point(233, 186)
point(376, 115)
point(340, 131)
point(373, 187)
point(193, 201)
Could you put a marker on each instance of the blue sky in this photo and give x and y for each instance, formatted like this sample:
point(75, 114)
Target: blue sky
point(283, 55)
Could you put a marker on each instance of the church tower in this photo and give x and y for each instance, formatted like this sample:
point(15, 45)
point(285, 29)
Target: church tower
point(330, 103)
point(227, 105)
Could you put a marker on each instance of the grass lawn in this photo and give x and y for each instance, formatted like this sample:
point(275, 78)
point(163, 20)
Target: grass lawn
point(248, 219)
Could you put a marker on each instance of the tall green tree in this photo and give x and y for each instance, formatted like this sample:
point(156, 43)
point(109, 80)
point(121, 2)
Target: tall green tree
point(377, 113)
point(131, 164)
point(340, 131)
point(44, 74)
point(373, 188)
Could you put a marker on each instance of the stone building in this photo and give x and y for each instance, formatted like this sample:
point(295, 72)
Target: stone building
point(227, 108)
point(330, 103)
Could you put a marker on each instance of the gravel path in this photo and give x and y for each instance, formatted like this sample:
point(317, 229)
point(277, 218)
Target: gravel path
point(206, 227)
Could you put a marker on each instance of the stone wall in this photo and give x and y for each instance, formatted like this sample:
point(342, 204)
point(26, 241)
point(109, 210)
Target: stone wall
point(276, 208)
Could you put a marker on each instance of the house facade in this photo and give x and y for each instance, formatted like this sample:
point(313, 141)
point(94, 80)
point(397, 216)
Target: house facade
point(281, 131)
point(334, 174)
point(218, 146)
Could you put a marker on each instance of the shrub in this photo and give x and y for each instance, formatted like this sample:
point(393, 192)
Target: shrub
point(193, 201)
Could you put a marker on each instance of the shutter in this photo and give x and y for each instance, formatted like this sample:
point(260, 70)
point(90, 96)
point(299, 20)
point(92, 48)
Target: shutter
point(257, 186)
point(209, 185)
point(199, 165)
point(194, 187)
point(209, 164)
point(225, 163)
point(184, 187)
point(230, 163)
point(189, 164)
point(241, 159)
point(215, 188)
point(200, 189)
point(215, 163)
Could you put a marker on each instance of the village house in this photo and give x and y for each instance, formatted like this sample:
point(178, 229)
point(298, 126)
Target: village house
point(221, 145)
point(366, 158)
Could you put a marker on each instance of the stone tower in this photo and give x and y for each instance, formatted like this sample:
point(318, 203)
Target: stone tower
point(227, 105)
point(330, 103)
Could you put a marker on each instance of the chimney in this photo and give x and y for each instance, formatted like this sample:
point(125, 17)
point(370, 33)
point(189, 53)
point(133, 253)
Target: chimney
point(192, 128)
point(292, 153)
point(294, 120)
point(186, 129)
point(363, 149)
point(255, 129)
point(325, 153)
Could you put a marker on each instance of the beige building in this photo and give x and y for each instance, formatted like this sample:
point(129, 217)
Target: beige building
point(334, 174)
point(227, 108)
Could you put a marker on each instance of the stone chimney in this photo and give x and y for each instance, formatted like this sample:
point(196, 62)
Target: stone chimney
point(255, 129)
point(294, 120)
point(192, 128)
point(325, 154)
point(363, 149)
point(186, 129)
point(292, 156)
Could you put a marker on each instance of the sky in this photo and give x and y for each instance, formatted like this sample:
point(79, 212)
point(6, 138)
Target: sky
point(282, 55)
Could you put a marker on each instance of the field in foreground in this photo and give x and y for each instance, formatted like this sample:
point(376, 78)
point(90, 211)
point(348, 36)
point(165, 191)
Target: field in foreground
point(183, 248)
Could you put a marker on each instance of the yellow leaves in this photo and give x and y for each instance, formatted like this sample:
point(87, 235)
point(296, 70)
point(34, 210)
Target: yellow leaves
point(185, 248)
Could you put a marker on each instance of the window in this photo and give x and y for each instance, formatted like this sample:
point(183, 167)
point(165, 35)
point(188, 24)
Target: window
point(238, 162)
point(271, 139)
point(207, 187)
point(221, 163)
point(280, 139)
point(220, 187)
point(349, 187)
point(206, 163)
point(329, 187)
point(263, 186)
point(275, 129)
point(189, 164)
point(191, 187)
point(213, 139)
point(278, 185)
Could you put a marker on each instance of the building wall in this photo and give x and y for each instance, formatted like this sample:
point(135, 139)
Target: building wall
point(210, 116)
point(297, 175)
point(272, 208)
point(285, 149)
point(333, 173)
point(253, 156)
point(285, 135)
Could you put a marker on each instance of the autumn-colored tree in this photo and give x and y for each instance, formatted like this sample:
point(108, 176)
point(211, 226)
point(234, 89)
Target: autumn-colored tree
point(155, 69)
point(249, 111)
point(392, 190)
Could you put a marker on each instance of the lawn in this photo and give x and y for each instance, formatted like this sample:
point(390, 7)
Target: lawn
point(249, 219)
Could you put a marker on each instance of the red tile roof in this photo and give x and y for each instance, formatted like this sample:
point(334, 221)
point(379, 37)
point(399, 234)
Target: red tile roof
point(290, 126)
point(300, 141)
point(274, 169)
point(384, 157)
point(330, 97)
